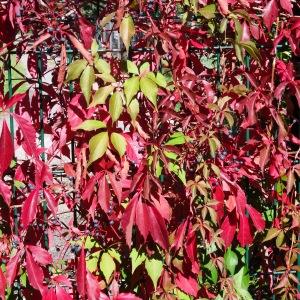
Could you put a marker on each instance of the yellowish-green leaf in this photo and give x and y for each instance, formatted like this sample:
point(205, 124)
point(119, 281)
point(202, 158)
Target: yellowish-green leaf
point(208, 11)
point(102, 66)
point(127, 30)
point(161, 80)
point(223, 25)
point(279, 239)
point(90, 125)
point(87, 79)
point(216, 169)
point(94, 48)
point(251, 48)
point(106, 19)
point(214, 144)
point(115, 106)
point(107, 266)
point(92, 261)
point(272, 233)
point(145, 68)
point(75, 69)
point(154, 268)
point(131, 87)
point(115, 254)
point(132, 68)
point(119, 143)
point(106, 78)
point(136, 259)
point(229, 118)
point(98, 145)
point(133, 109)
point(101, 95)
point(149, 89)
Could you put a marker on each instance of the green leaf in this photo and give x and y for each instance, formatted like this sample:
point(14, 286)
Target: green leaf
point(161, 80)
point(92, 261)
point(102, 66)
point(181, 295)
point(231, 260)
point(75, 69)
point(127, 30)
point(132, 68)
point(213, 271)
point(115, 106)
point(101, 95)
point(272, 233)
point(145, 68)
point(154, 268)
point(94, 48)
point(280, 239)
point(133, 109)
point(90, 243)
point(23, 279)
point(149, 89)
point(90, 125)
point(223, 25)
point(87, 79)
point(213, 145)
point(131, 87)
point(119, 143)
point(208, 11)
point(251, 48)
point(176, 139)
point(107, 266)
point(107, 78)
point(241, 279)
point(115, 254)
point(98, 145)
point(136, 259)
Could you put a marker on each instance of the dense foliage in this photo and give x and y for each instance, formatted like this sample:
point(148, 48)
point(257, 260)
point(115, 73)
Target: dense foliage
point(159, 147)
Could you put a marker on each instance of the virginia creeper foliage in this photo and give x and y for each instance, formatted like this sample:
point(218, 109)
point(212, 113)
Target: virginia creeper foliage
point(149, 149)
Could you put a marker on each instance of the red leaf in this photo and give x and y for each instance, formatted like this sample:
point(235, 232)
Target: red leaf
point(62, 66)
point(191, 250)
point(188, 285)
point(240, 201)
point(126, 296)
point(6, 148)
point(157, 227)
point(270, 13)
point(129, 218)
point(228, 230)
point(179, 235)
point(2, 285)
point(62, 294)
point(116, 185)
point(256, 218)
point(103, 194)
point(244, 234)
point(92, 286)
point(13, 100)
point(40, 255)
point(287, 5)
point(51, 201)
point(142, 219)
point(81, 274)
point(29, 135)
point(35, 273)
point(49, 295)
point(12, 268)
point(40, 40)
point(5, 192)
point(62, 279)
point(29, 208)
point(79, 46)
point(224, 6)
point(86, 32)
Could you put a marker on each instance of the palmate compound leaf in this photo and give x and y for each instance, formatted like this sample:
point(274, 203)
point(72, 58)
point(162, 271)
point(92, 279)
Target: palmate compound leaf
point(133, 109)
point(131, 87)
point(98, 146)
point(107, 266)
point(101, 95)
point(231, 260)
point(136, 259)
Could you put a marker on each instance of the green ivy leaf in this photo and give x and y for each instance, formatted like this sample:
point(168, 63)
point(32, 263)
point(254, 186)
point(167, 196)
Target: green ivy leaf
point(107, 266)
point(231, 261)
point(149, 89)
point(98, 145)
point(92, 261)
point(132, 67)
point(161, 80)
point(127, 30)
point(131, 87)
point(102, 66)
point(177, 138)
point(119, 143)
point(87, 79)
point(136, 259)
point(101, 95)
point(154, 268)
point(133, 109)
point(75, 69)
point(115, 254)
point(90, 125)
point(115, 106)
